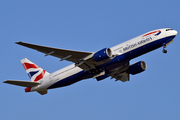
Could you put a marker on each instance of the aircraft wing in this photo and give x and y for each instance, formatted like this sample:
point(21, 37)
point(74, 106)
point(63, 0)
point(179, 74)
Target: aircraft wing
point(121, 73)
point(81, 59)
point(63, 54)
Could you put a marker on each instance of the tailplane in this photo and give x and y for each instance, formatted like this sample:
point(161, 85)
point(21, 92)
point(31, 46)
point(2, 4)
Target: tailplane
point(22, 83)
point(27, 84)
point(35, 72)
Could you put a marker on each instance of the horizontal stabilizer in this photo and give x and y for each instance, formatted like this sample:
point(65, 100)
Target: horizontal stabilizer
point(22, 83)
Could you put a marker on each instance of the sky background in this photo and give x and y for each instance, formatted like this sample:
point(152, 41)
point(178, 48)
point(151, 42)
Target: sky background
point(89, 26)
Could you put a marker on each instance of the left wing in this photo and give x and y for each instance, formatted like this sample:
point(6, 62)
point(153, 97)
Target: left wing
point(69, 55)
point(81, 59)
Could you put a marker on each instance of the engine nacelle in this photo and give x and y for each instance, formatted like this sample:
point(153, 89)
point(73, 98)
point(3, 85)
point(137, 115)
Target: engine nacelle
point(137, 67)
point(102, 54)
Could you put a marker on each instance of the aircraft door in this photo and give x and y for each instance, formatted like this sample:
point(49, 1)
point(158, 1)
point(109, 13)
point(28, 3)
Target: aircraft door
point(51, 78)
point(127, 43)
point(121, 50)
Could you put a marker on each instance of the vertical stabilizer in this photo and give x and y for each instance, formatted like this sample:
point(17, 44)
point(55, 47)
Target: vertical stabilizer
point(35, 72)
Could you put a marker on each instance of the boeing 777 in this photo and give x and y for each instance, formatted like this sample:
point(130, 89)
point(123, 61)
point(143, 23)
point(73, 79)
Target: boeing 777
point(108, 62)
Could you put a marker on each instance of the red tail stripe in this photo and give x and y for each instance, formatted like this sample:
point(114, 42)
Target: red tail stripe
point(28, 66)
point(28, 89)
point(40, 76)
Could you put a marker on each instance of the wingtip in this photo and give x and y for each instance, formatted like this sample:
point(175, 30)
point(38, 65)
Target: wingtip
point(18, 42)
point(5, 81)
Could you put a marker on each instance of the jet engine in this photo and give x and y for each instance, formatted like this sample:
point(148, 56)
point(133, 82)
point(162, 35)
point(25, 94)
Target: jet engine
point(102, 54)
point(137, 67)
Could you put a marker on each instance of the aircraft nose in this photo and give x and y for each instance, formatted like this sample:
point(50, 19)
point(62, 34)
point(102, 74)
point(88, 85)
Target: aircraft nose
point(171, 33)
point(175, 32)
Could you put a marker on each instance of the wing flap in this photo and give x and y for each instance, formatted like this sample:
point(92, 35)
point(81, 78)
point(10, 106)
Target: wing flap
point(122, 77)
point(121, 73)
point(22, 83)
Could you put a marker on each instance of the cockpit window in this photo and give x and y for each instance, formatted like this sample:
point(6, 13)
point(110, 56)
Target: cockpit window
point(168, 29)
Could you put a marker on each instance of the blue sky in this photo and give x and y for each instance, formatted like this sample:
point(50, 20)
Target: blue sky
point(89, 26)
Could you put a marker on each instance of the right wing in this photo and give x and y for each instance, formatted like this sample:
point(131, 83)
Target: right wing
point(22, 83)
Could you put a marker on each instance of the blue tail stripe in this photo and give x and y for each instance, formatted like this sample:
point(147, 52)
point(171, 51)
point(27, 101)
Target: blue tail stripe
point(32, 73)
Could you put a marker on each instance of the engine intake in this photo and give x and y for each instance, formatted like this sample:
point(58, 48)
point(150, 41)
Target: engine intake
point(137, 67)
point(102, 54)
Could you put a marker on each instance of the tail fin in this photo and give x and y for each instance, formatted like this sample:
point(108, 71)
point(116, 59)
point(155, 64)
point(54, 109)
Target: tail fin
point(35, 72)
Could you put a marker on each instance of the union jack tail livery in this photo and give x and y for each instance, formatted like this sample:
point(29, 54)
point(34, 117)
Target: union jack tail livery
point(35, 72)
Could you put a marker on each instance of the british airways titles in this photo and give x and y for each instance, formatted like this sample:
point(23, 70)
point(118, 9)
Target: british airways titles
point(137, 44)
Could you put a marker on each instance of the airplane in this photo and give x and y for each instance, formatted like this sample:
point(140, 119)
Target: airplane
point(108, 62)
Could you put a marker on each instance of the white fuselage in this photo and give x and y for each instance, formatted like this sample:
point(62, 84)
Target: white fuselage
point(131, 48)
